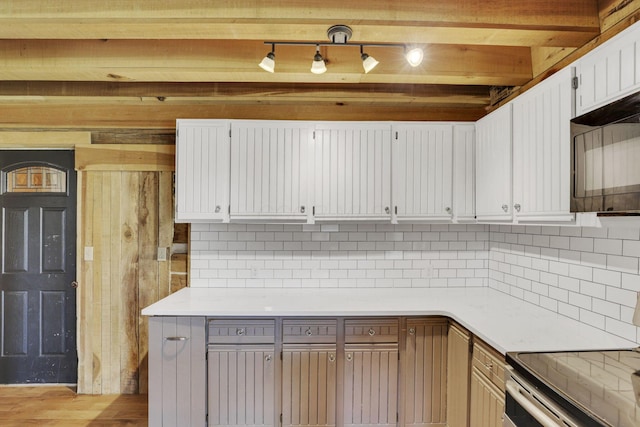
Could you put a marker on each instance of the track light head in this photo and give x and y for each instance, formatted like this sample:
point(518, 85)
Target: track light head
point(318, 66)
point(268, 63)
point(368, 62)
point(414, 56)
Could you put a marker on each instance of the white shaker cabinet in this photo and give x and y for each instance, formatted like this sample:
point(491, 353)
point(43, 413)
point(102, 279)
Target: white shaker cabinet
point(202, 170)
point(609, 72)
point(464, 172)
point(422, 172)
point(269, 170)
point(541, 150)
point(351, 171)
point(493, 166)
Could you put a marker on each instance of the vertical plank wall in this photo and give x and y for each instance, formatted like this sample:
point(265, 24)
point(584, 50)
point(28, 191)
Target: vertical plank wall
point(125, 216)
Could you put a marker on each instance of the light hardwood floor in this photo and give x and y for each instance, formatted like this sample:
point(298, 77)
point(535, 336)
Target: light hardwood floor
point(61, 406)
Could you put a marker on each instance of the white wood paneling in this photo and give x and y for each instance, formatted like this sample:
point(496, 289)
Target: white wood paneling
point(493, 166)
point(269, 170)
point(609, 72)
point(202, 171)
point(351, 171)
point(464, 172)
point(541, 150)
point(241, 385)
point(422, 171)
point(309, 385)
point(371, 385)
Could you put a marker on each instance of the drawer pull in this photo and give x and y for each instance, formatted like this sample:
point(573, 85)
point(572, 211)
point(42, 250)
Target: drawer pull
point(240, 332)
point(308, 332)
point(372, 332)
point(176, 338)
point(267, 358)
point(349, 357)
point(332, 357)
point(489, 365)
point(412, 331)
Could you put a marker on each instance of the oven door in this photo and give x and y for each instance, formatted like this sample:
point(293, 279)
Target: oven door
point(526, 407)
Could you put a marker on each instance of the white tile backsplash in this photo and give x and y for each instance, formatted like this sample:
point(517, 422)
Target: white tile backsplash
point(588, 274)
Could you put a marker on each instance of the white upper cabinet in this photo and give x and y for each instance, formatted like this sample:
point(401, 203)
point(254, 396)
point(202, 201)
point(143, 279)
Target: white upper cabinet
point(541, 150)
point(269, 170)
point(422, 172)
point(202, 171)
point(610, 71)
point(351, 171)
point(464, 172)
point(493, 166)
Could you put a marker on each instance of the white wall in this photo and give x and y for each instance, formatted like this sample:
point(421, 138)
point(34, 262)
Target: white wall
point(345, 255)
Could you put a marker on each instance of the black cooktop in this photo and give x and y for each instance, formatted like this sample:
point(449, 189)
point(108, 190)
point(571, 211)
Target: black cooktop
point(604, 385)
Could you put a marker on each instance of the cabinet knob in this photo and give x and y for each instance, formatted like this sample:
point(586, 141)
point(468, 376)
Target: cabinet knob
point(372, 331)
point(267, 358)
point(332, 357)
point(387, 210)
point(218, 209)
point(308, 332)
point(412, 331)
point(240, 332)
point(447, 209)
point(349, 357)
point(505, 207)
point(517, 207)
point(302, 209)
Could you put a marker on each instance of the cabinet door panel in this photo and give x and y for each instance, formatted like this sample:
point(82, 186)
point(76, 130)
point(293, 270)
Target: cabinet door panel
point(371, 385)
point(487, 402)
point(458, 372)
point(269, 170)
point(493, 166)
point(351, 171)
point(202, 170)
point(425, 373)
point(423, 171)
point(309, 385)
point(541, 150)
point(241, 385)
point(464, 173)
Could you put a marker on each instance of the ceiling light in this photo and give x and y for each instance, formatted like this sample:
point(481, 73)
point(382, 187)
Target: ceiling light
point(318, 66)
point(268, 63)
point(414, 56)
point(368, 62)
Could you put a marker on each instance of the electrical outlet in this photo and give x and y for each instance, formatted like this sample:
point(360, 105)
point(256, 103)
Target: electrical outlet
point(88, 253)
point(162, 254)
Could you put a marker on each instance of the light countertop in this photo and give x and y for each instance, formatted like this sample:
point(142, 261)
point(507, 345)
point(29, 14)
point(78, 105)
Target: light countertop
point(504, 322)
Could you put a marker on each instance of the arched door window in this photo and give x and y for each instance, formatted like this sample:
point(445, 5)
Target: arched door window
point(35, 179)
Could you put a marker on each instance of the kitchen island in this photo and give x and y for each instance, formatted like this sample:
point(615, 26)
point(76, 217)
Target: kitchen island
point(209, 345)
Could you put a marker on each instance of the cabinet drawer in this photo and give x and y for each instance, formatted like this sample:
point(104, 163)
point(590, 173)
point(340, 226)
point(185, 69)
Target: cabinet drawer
point(489, 363)
point(371, 330)
point(241, 331)
point(309, 331)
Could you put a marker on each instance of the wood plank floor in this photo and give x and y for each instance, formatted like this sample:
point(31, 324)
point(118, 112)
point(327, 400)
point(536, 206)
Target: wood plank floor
point(61, 406)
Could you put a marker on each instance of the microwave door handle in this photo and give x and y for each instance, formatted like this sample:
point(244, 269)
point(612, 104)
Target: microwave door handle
point(531, 409)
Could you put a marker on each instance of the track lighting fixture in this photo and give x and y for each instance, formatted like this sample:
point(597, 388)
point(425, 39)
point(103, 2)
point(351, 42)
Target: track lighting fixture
point(268, 63)
point(339, 35)
point(318, 66)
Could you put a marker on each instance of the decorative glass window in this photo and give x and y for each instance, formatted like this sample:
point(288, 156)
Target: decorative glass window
point(36, 179)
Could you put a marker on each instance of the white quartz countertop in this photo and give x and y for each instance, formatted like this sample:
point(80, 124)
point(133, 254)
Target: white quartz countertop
point(504, 322)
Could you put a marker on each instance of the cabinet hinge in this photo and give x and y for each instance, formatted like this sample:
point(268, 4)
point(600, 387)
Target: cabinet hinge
point(470, 346)
point(314, 135)
point(575, 82)
point(395, 208)
point(229, 209)
point(280, 418)
point(229, 132)
point(396, 135)
point(280, 355)
point(397, 417)
point(313, 211)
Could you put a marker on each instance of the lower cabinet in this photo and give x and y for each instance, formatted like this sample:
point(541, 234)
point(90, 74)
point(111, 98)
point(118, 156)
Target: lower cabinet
point(487, 387)
point(458, 371)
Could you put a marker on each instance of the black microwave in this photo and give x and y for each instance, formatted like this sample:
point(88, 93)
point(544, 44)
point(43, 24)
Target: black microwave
point(605, 159)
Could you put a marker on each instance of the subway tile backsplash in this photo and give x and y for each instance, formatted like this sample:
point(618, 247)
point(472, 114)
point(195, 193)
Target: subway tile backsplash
point(589, 274)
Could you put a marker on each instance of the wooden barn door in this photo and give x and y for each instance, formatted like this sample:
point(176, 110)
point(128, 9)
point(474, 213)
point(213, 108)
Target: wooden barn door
point(38, 255)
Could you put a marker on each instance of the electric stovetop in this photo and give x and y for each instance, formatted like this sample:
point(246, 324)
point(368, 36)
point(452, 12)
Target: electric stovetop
point(604, 385)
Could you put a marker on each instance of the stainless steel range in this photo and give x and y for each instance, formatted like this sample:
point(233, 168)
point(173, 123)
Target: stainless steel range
point(573, 389)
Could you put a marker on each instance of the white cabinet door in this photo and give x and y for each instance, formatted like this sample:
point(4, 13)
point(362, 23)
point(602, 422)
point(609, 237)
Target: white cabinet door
point(202, 171)
point(269, 169)
point(610, 71)
point(493, 166)
point(177, 371)
point(351, 171)
point(464, 172)
point(422, 172)
point(241, 385)
point(541, 150)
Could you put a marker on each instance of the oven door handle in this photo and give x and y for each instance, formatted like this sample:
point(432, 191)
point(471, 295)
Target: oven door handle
point(528, 406)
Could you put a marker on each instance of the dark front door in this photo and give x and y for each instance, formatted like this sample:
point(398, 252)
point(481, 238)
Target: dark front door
point(38, 255)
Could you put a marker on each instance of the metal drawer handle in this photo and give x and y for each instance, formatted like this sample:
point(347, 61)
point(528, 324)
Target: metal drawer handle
point(412, 331)
point(267, 358)
point(176, 338)
point(372, 332)
point(447, 209)
point(240, 332)
point(308, 332)
point(349, 357)
point(505, 208)
point(332, 357)
point(517, 207)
